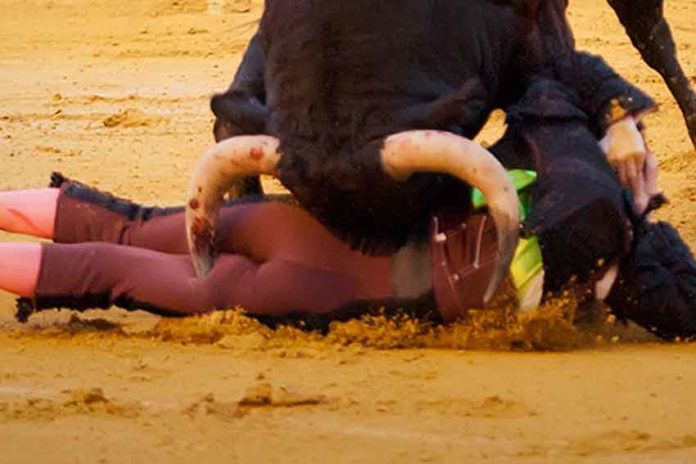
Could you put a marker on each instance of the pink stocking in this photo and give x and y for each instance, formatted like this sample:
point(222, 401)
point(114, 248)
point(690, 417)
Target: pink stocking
point(19, 268)
point(30, 212)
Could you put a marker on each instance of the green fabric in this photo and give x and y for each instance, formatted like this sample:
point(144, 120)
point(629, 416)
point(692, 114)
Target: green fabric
point(527, 262)
point(520, 179)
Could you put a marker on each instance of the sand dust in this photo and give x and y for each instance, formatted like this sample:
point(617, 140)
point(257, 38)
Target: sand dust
point(116, 94)
point(131, 118)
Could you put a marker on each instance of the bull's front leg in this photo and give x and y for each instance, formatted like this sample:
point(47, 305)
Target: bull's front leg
point(650, 33)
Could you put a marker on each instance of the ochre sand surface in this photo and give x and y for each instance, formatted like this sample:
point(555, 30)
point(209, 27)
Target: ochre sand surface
point(116, 94)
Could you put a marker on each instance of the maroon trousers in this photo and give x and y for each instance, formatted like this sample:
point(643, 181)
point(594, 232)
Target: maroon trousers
point(274, 260)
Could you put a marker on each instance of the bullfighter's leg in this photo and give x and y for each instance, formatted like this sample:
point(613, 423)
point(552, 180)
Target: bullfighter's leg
point(283, 260)
point(19, 267)
point(99, 275)
point(650, 33)
point(29, 212)
point(71, 212)
point(260, 230)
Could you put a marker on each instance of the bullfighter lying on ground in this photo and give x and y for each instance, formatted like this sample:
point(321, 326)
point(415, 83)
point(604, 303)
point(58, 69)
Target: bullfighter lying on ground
point(277, 261)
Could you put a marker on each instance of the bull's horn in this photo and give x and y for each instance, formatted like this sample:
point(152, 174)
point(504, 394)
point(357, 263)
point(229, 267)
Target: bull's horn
point(406, 153)
point(213, 175)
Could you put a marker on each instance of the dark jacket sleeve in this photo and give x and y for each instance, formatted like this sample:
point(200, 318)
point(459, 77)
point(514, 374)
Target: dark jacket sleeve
point(242, 107)
point(656, 287)
point(602, 94)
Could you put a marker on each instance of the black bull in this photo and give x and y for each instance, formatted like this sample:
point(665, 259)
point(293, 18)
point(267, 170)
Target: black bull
point(647, 28)
point(332, 79)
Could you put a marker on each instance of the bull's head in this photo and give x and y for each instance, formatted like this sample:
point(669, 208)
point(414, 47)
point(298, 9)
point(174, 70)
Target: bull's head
point(403, 155)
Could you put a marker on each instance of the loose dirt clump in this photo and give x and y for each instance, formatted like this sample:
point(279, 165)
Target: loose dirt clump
point(261, 395)
point(629, 441)
point(90, 402)
point(208, 406)
point(130, 118)
point(224, 327)
point(264, 394)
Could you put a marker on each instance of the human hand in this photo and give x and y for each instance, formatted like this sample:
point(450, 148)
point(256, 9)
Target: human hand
point(625, 149)
point(651, 189)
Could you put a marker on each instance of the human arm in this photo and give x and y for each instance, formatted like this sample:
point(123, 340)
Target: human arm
point(614, 106)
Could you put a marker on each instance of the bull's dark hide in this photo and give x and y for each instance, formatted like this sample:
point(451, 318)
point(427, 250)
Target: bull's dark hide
point(332, 78)
point(646, 26)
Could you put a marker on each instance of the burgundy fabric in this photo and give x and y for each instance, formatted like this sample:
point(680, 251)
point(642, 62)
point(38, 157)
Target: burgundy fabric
point(464, 257)
point(80, 219)
point(275, 259)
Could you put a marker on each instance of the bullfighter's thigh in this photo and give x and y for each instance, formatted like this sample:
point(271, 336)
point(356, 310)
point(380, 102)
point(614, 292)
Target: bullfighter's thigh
point(272, 230)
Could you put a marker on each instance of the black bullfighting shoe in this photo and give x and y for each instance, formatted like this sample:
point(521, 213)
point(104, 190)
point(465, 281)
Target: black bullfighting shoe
point(24, 309)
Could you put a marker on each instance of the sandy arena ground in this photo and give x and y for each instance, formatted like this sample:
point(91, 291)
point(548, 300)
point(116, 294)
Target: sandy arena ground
point(115, 94)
